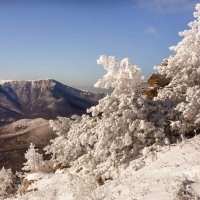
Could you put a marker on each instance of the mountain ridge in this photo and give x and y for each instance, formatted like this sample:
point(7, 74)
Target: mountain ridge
point(43, 98)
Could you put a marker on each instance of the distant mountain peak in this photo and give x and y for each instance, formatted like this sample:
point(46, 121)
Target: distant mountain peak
point(44, 98)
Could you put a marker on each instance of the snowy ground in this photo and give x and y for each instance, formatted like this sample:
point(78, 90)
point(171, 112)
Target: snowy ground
point(162, 178)
point(172, 174)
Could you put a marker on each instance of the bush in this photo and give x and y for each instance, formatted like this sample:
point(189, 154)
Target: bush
point(6, 182)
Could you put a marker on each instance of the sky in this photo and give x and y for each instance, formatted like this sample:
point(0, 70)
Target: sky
point(62, 39)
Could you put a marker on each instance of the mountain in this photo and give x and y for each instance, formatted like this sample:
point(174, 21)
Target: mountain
point(45, 98)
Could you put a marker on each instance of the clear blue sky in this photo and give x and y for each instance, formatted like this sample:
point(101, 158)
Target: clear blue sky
point(62, 39)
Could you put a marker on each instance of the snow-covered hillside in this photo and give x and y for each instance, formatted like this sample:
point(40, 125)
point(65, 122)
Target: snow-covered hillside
point(171, 174)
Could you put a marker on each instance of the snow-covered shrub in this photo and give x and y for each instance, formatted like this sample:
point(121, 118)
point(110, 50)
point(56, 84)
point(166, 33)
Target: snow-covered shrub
point(189, 119)
point(123, 76)
point(35, 162)
point(183, 70)
point(188, 190)
point(6, 181)
point(63, 124)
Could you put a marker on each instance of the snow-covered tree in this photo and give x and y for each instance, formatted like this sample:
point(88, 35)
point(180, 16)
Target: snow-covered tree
point(116, 129)
point(34, 160)
point(183, 70)
point(121, 75)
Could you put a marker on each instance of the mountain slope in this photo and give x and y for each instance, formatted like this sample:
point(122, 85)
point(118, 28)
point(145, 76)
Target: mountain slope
point(15, 138)
point(41, 98)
